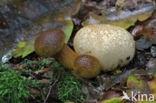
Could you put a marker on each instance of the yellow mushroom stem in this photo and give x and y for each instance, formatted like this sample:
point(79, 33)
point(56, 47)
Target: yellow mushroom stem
point(66, 57)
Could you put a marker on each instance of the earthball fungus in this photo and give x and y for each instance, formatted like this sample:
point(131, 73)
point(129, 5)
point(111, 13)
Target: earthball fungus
point(113, 46)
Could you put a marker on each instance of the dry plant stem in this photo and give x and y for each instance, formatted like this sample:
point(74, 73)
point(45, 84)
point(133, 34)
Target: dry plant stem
point(66, 57)
point(51, 86)
point(42, 71)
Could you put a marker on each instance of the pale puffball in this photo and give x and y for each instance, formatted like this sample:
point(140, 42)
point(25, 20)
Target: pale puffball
point(112, 45)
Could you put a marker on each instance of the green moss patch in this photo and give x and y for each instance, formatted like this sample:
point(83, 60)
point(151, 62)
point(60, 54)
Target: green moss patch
point(113, 100)
point(14, 88)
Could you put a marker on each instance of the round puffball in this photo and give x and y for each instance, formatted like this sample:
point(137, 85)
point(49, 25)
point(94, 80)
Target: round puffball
point(112, 45)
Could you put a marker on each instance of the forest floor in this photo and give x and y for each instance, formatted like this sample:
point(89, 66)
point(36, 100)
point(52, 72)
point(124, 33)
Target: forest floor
point(26, 77)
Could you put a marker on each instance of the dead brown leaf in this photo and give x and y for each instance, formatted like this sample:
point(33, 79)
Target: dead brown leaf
point(19, 67)
point(147, 31)
point(129, 4)
point(42, 71)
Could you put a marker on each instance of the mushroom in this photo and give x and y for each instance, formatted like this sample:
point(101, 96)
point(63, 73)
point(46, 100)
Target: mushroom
point(113, 46)
point(90, 63)
point(51, 43)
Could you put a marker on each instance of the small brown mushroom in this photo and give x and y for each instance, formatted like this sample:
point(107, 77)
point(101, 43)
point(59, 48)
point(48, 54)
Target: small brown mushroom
point(90, 63)
point(51, 43)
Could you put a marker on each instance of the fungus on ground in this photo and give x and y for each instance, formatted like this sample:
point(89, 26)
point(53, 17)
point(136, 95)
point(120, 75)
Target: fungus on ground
point(112, 45)
point(51, 43)
point(90, 63)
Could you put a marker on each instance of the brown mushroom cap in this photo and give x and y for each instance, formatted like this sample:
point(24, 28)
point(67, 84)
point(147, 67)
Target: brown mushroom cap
point(87, 66)
point(49, 42)
point(113, 46)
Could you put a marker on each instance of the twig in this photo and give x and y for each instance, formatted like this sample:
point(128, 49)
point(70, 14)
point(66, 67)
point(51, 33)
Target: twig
point(51, 86)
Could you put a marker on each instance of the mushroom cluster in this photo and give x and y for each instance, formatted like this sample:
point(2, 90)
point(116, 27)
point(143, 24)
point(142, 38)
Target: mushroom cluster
point(113, 46)
point(97, 46)
point(51, 43)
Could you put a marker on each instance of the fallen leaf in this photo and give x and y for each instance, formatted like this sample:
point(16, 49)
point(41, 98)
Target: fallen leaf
point(148, 30)
point(143, 43)
point(136, 32)
point(133, 82)
point(127, 4)
point(24, 48)
point(107, 82)
point(110, 94)
point(137, 81)
point(124, 19)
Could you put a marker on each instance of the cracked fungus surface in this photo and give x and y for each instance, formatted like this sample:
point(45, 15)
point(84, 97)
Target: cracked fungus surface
point(112, 45)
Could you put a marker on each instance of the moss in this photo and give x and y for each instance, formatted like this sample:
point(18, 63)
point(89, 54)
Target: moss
point(113, 100)
point(34, 65)
point(45, 62)
point(69, 88)
point(14, 88)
